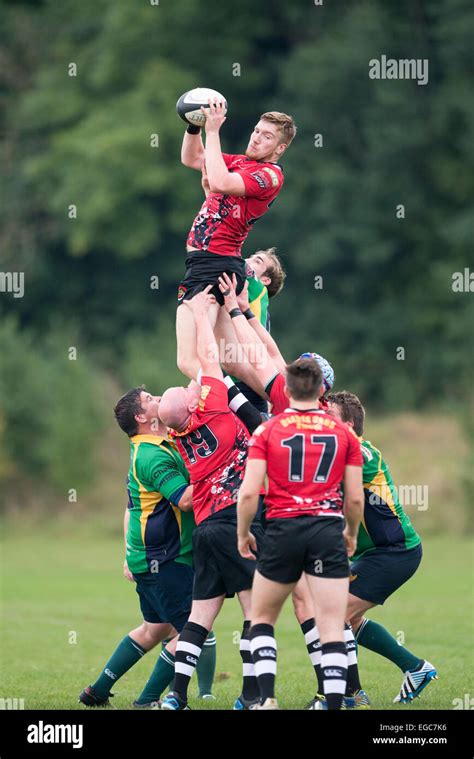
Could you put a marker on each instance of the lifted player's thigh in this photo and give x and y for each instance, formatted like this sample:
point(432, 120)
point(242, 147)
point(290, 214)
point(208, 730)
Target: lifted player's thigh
point(186, 339)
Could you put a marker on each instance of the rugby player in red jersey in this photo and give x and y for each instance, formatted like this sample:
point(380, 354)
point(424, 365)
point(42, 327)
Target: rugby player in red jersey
point(242, 187)
point(311, 526)
point(269, 367)
point(213, 442)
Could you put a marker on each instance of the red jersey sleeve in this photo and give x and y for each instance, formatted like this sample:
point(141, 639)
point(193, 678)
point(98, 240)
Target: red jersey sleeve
point(278, 399)
point(213, 397)
point(228, 158)
point(354, 453)
point(258, 444)
point(262, 183)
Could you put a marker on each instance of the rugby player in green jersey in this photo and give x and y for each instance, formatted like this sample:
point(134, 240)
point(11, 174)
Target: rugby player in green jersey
point(387, 554)
point(158, 523)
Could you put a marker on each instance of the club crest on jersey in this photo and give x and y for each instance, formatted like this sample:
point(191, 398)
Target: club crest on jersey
point(273, 176)
point(205, 390)
point(181, 292)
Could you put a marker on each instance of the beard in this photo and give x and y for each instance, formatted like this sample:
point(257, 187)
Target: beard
point(255, 155)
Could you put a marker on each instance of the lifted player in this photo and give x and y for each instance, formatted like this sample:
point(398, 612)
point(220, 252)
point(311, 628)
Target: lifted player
point(306, 456)
point(388, 553)
point(241, 189)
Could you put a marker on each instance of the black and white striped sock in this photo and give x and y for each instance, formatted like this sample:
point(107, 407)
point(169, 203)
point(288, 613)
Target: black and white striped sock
point(334, 672)
point(313, 646)
point(188, 651)
point(250, 689)
point(264, 654)
point(353, 681)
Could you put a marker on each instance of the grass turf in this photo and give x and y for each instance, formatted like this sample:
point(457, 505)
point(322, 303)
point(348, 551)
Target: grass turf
point(66, 606)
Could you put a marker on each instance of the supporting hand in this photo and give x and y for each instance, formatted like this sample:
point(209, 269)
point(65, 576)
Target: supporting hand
point(227, 287)
point(215, 116)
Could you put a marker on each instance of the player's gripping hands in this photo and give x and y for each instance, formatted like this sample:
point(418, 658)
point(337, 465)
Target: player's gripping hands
point(201, 302)
point(243, 298)
point(235, 305)
point(228, 286)
point(215, 115)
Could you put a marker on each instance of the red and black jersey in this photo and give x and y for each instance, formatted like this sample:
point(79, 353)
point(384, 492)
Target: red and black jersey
point(306, 454)
point(224, 221)
point(214, 446)
point(278, 398)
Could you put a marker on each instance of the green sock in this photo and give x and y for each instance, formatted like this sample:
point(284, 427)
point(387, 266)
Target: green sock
point(376, 638)
point(206, 666)
point(161, 676)
point(127, 653)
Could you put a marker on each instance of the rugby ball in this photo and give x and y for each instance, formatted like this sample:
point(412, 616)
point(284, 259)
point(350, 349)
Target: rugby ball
point(189, 105)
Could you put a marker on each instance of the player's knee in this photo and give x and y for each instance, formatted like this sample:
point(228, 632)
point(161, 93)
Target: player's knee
point(355, 621)
point(355, 610)
point(302, 613)
point(151, 635)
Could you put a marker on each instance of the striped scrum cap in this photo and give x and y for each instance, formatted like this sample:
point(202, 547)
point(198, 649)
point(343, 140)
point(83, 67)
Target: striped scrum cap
point(326, 368)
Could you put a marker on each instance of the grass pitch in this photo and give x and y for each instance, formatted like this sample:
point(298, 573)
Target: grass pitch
point(66, 606)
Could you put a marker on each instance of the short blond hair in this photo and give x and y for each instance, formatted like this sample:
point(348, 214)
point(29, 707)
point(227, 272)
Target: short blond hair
point(285, 124)
point(274, 271)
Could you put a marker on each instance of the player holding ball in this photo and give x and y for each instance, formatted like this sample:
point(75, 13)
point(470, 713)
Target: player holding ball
point(242, 187)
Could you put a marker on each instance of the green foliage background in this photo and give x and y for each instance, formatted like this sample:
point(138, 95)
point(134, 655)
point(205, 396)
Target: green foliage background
point(85, 140)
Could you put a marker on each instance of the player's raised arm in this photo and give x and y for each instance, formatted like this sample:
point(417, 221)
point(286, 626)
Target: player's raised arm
point(220, 178)
point(206, 346)
point(254, 349)
point(192, 149)
point(353, 505)
point(264, 335)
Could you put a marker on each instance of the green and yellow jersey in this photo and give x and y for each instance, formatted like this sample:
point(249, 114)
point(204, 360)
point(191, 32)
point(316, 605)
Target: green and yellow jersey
point(158, 530)
point(258, 302)
point(258, 299)
point(384, 523)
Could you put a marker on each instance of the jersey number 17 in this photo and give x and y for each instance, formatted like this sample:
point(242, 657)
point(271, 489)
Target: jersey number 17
point(296, 444)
